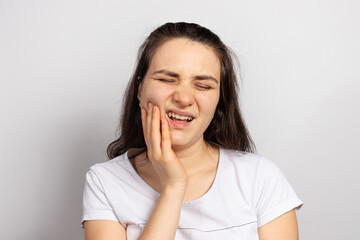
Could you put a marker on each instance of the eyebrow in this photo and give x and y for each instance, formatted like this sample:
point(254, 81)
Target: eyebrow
point(166, 72)
point(175, 75)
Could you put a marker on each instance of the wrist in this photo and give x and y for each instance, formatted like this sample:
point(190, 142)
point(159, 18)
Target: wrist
point(177, 189)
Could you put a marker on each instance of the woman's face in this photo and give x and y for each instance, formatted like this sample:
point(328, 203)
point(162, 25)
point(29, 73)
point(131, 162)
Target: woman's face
point(183, 80)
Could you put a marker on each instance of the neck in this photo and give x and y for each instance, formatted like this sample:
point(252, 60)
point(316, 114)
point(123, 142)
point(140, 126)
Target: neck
point(196, 157)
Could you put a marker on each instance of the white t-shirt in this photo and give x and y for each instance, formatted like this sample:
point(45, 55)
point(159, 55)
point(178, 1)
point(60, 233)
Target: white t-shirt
point(248, 192)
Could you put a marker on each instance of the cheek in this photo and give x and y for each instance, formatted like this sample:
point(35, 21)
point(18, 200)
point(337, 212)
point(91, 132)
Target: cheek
point(155, 94)
point(208, 104)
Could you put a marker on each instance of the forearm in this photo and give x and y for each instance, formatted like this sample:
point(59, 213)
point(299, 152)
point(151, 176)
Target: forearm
point(165, 217)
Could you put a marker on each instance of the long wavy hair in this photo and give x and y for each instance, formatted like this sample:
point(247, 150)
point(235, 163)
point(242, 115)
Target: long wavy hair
point(226, 129)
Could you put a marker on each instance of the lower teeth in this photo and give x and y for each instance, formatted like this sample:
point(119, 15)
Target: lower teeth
point(185, 120)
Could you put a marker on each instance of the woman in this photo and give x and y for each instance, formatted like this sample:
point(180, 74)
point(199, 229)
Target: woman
point(182, 167)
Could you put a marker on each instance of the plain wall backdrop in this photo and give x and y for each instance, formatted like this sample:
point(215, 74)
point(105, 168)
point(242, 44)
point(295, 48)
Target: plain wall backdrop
point(64, 66)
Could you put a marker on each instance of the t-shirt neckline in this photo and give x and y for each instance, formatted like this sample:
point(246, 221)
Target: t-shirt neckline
point(140, 180)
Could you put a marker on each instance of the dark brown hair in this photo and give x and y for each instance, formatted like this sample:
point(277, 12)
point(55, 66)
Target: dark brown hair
point(226, 129)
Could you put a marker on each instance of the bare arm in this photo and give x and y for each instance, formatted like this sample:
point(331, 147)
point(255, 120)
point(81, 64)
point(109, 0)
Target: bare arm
point(284, 227)
point(104, 230)
point(164, 219)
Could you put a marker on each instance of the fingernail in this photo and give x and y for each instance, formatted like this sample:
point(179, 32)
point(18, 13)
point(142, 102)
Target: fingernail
point(154, 109)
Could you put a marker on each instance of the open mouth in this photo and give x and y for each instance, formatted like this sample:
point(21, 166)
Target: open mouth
point(178, 117)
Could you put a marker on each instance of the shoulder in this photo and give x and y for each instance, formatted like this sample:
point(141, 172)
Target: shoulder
point(242, 159)
point(268, 188)
point(108, 165)
point(118, 166)
point(248, 165)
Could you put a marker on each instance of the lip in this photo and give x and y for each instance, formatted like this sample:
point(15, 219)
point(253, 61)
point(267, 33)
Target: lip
point(177, 124)
point(183, 113)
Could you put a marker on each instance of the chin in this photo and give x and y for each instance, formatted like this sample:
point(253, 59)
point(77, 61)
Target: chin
point(178, 141)
point(181, 140)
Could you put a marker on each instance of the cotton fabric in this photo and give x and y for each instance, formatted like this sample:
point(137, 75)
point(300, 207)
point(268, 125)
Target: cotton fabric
point(248, 191)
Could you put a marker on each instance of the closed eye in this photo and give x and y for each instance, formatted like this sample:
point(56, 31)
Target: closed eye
point(165, 80)
point(203, 87)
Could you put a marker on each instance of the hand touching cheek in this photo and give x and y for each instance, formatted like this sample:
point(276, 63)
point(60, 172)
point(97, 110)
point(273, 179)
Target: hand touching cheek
point(159, 151)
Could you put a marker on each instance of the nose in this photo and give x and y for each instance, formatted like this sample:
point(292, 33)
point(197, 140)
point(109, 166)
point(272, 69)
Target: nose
point(183, 96)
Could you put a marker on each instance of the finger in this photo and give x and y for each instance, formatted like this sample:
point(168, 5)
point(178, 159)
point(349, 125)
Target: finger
point(148, 127)
point(155, 132)
point(165, 139)
point(144, 125)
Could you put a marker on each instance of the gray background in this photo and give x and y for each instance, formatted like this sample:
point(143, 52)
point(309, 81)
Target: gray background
point(64, 66)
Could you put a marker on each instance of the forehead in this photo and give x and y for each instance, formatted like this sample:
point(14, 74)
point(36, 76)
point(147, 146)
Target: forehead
point(186, 57)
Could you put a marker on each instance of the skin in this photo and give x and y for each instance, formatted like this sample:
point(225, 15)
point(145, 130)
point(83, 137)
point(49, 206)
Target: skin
point(185, 76)
point(189, 92)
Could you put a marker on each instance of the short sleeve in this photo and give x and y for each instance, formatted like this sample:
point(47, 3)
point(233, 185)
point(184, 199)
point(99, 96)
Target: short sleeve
point(95, 203)
point(274, 195)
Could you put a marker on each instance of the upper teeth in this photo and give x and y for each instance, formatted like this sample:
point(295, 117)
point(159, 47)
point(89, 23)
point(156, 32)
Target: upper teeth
point(180, 117)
